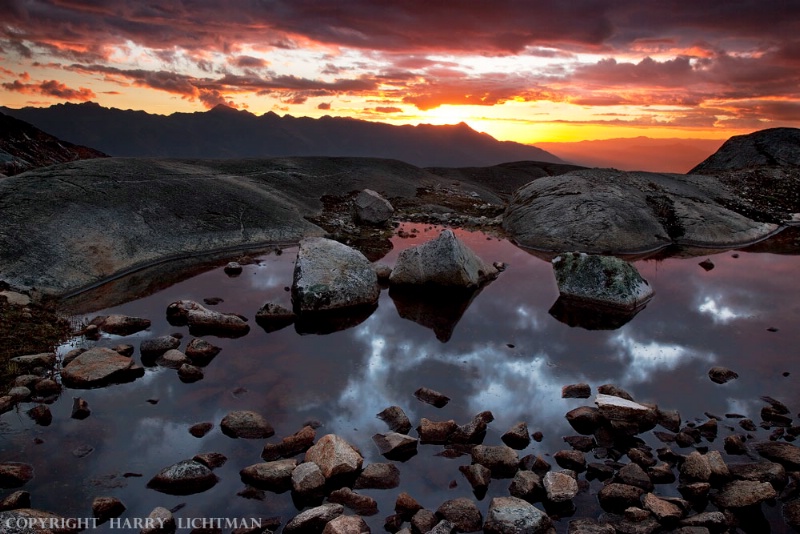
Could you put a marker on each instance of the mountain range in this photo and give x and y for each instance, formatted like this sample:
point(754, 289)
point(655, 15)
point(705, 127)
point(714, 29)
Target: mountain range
point(224, 132)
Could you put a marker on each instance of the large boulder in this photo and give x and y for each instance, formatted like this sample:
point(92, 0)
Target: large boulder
point(372, 208)
point(601, 280)
point(99, 366)
point(609, 211)
point(330, 276)
point(445, 262)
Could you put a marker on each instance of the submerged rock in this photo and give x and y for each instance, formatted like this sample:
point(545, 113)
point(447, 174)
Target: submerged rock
point(329, 275)
point(445, 261)
point(202, 321)
point(601, 280)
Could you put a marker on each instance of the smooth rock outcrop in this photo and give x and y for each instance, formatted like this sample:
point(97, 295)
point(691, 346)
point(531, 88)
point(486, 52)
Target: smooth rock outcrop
point(444, 262)
point(372, 208)
point(99, 366)
point(601, 280)
point(329, 275)
point(610, 211)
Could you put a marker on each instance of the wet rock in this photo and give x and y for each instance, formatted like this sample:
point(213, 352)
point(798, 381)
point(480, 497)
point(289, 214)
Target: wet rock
point(669, 419)
point(308, 480)
point(120, 325)
point(509, 515)
point(424, 521)
point(664, 511)
point(313, 520)
point(734, 444)
point(274, 476)
point(475, 430)
point(617, 497)
point(18, 499)
point(601, 280)
point(791, 513)
point(7, 403)
point(774, 417)
point(212, 460)
point(15, 474)
point(329, 276)
point(585, 419)
point(246, 424)
point(41, 415)
point(719, 469)
point(396, 418)
point(706, 264)
point(202, 321)
point(395, 446)
point(183, 478)
point(272, 317)
point(581, 443)
point(462, 513)
point(633, 475)
point(200, 352)
point(721, 375)
point(290, 446)
point(436, 431)
point(383, 272)
point(695, 468)
point(32, 361)
point(598, 471)
point(443, 527)
point(150, 349)
point(97, 367)
point(695, 492)
point(233, 268)
point(189, 373)
point(479, 476)
point(615, 391)
point(560, 486)
point(576, 391)
point(661, 474)
point(406, 505)
point(714, 521)
point(432, 397)
point(517, 436)
point(172, 359)
point(334, 456)
point(501, 460)
point(444, 261)
point(619, 409)
point(372, 208)
point(641, 457)
point(360, 504)
point(162, 520)
point(124, 349)
point(771, 472)
point(526, 485)
point(104, 508)
point(743, 493)
point(200, 429)
point(590, 526)
point(571, 459)
point(394, 524)
point(346, 524)
point(785, 454)
point(378, 476)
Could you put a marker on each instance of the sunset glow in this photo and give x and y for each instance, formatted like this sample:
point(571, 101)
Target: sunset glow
point(523, 71)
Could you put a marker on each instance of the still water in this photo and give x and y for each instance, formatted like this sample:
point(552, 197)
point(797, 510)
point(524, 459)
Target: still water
point(507, 353)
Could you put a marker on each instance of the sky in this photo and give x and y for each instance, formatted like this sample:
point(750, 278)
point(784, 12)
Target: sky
point(527, 70)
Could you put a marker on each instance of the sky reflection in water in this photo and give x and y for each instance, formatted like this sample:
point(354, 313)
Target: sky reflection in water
point(507, 354)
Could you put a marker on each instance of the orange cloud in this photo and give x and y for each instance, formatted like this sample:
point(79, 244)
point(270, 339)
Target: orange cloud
point(51, 88)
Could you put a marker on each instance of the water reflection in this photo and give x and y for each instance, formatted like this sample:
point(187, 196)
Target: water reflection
point(503, 352)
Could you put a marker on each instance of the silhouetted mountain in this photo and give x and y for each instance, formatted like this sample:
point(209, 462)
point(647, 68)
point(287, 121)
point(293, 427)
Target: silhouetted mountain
point(223, 132)
point(636, 153)
point(774, 147)
point(24, 147)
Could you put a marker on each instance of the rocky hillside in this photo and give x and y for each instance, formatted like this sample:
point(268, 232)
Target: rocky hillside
point(224, 132)
point(24, 147)
point(773, 147)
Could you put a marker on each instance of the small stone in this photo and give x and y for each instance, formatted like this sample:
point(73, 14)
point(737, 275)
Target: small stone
point(346, 524)
point(406, 505)
point(432, 397)
point(743, 493)
point(478, 476)
point(571, 459)
point(706, 264)
point(41, 415)
point(233, 268)
point(300, 441)
point(424, 521)
point(16, 500)
point(172, 359)
point(360, 504)
point(721, 375)
point(14, 474)
point(517, 436)
point(163, 521)
point(334, 456)
point(200, 429)
point(509, 515)
point(463, 513)
point(120, 325)
point(190, 373)
point(184, 478)
point(501, 460)
point(617, 497)
point(576, 391)
point(436, 431)
point(396, 418)
point(475, 430)
point(200, 352)
point(560, 486)
point(124, 350)
point(663, 510)
point(633, 475)
point(308, 480)
point(212, 460)
point(395, 446)
point(274, 476)
point(150, 349)
point(104, 508)
point(585, 419)
point(82, 451)
point(696, 468)
point(246, 424)
point(313, 519)
point(526, 485)
point(378, 476)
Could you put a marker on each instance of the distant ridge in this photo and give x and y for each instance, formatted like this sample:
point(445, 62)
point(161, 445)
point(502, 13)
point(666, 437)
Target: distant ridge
point(223, 132)
point(24, 147)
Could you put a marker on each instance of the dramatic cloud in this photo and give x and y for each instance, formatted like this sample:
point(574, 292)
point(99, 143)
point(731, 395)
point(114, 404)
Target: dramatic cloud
point(50, 88)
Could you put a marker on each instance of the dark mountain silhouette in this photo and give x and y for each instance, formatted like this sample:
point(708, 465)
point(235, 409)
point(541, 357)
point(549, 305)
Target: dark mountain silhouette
point(775, 147)
point(223, 132)
point(24, 147)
